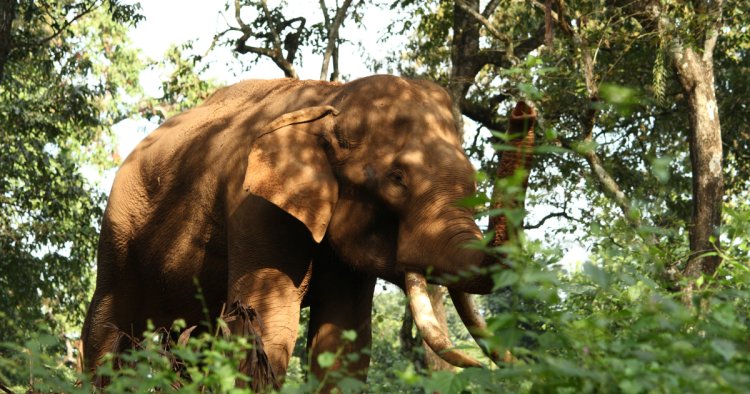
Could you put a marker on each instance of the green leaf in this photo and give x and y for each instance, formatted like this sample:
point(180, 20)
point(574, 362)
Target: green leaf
point(597, 274)
point(724, 314)
point(631, 387)
point(542, 149)
point(439, 381)
point(351, 385)
point(530, 91)
point(349, 335)
point(409, 375)
point(622, 98)
point(326, 359)
point(473, 201)
point(660, 168)
point(505, 278)
point(725, 348)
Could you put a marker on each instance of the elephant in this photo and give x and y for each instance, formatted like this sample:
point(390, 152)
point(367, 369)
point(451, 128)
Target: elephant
point(283, 194)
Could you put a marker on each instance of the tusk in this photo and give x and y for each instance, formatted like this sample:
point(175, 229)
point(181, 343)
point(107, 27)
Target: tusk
point(474, 322)
point(424, 318)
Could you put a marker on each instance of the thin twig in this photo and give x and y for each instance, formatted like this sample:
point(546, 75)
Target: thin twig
point(541, 222)
point(68, 23)
point(271, 27)
point(480, 18)
point(333, 33)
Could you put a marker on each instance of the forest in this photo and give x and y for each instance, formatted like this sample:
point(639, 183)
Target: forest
point(626, 265)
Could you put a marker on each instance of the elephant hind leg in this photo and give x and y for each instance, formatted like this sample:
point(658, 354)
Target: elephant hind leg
point(102, 333)
point(98, 334)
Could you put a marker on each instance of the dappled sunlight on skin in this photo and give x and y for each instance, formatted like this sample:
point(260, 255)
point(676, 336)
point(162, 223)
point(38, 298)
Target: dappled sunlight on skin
point(240, 191)
point(166, 219)
point(412, 122)
point(288, 167)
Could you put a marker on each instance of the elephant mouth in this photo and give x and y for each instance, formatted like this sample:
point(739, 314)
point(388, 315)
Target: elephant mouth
point(428, 326)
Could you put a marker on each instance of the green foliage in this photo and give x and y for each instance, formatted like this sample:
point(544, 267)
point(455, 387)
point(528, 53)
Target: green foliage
point(37, 362)
point(202, 362)
point(63, 86)
point(641, 114)
point(615, 326)
point(185, 87)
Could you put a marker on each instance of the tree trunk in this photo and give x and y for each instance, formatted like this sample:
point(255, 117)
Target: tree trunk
point(464, 46)
point(7, 15)
point(332, 28)
point(697, 79)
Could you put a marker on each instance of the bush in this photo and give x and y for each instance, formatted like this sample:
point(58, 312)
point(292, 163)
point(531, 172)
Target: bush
point(618, 325)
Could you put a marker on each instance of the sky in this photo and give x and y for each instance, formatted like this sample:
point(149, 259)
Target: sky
point(173, 22)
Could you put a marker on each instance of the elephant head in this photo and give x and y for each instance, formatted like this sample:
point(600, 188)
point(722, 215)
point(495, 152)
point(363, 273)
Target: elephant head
point(374, 169)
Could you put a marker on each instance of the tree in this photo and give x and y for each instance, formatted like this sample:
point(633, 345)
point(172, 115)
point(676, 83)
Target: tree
point(7, 15)
point(576, 61)
point(185, 87)
point(695, 72)
point(701, 24)
point(67, 67)
point(275, 36)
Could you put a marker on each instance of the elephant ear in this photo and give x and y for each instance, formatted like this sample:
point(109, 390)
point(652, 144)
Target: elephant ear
point(289, 167)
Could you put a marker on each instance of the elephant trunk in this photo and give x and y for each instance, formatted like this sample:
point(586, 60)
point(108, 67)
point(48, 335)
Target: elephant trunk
point(521, 127)
point(522, 120)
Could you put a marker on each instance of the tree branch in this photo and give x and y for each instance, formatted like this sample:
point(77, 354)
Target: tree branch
point(68, 23)
point(500, 58)
point(291, 41)
point(467, 58)
point(275, 54)
point(543, 7)
point(7, 16)
point(490, 8)
point(495, 57)
point(479, 18)
point(271, 27)
point(326, 18)
point(609, 185)
point(333, 34)
point(713, 34)
point(484, 115)
point(541, 222)
point(241, 47)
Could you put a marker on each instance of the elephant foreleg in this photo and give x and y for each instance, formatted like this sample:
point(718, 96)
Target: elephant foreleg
point(340, 299)
point(269, 271)
point(276, 300)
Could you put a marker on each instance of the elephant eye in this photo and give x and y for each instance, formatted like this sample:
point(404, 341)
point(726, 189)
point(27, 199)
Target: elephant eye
point(398, 177)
